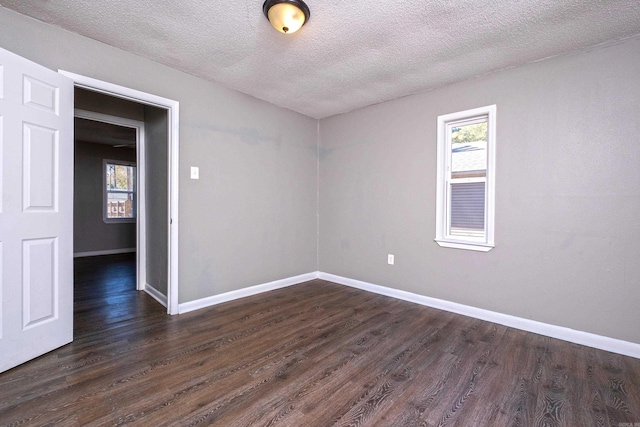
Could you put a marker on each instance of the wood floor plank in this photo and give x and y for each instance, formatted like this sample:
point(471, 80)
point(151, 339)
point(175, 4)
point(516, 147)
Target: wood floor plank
point(314, 354)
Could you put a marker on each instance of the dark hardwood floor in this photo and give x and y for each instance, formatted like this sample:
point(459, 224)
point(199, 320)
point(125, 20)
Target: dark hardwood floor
point(315, 354)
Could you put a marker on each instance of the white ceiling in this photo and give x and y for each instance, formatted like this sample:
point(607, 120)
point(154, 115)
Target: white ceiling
point(351, 53)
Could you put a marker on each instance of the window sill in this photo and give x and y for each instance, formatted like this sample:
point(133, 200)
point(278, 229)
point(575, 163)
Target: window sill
point(469, 246)
point(119, 221)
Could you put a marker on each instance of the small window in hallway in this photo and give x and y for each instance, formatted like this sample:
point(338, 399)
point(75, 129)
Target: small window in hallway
point(120, 191)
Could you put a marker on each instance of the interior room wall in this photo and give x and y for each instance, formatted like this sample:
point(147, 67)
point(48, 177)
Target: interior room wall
point(85, 99)
point(90, 232)
point(251, 218)
point(157, 200)
point(567, 194)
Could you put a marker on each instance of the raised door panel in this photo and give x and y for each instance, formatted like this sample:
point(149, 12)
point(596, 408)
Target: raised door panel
point(39, 282)
point(40, 95)
point(40, 177)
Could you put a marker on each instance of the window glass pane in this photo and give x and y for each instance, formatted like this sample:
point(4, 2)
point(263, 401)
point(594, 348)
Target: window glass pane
point(111, 176)
point(468, 176)
point(120, 177)
point(469, 150)
point(120, 205)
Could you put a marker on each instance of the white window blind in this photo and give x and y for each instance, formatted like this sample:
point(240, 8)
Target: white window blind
point(467, 209)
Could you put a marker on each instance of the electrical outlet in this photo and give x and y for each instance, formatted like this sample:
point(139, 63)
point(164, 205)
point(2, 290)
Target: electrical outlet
point(390, 259)
point(195, 172)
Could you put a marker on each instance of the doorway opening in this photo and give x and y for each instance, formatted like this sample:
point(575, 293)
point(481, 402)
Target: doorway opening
point(157, 181)
point(109, 185)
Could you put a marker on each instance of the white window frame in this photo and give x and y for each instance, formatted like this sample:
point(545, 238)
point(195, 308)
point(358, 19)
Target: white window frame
point(105, 197)
point(445, 122)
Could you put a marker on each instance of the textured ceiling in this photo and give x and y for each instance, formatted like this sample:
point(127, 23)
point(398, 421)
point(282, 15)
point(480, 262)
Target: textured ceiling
point(103, 133)
point(351, 53)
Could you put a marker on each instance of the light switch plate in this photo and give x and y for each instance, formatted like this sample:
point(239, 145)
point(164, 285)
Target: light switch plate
point(195, 172)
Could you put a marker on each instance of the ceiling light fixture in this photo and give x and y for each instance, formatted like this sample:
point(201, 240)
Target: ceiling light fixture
point(286, 16)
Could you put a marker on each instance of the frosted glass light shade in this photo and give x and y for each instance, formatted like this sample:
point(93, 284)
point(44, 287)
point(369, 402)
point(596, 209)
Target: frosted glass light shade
point(286, 16)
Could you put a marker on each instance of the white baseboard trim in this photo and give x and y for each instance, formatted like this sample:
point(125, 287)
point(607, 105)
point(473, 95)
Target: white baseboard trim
point(107, 252)
point(155, 294)
point(245, 292)
point(579, 337)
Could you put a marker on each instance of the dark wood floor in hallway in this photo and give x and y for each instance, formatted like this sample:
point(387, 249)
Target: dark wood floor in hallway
point(314, 354)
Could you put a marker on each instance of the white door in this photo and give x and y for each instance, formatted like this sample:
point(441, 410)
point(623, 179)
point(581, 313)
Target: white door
point(36, 210)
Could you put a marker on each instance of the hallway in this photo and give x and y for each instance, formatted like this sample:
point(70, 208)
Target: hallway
point(105, 295)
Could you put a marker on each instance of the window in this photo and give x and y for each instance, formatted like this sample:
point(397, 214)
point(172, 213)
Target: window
point(119, 191)
point(466, 179)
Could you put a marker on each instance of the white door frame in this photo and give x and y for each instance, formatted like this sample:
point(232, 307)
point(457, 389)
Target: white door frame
point(141, 213)
point(172, 108)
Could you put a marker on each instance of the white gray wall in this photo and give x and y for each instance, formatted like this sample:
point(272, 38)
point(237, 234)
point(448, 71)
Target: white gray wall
point(100, 103)
point(156, 198)
point(90, 232)
point(251, 218)
point(567, 194)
